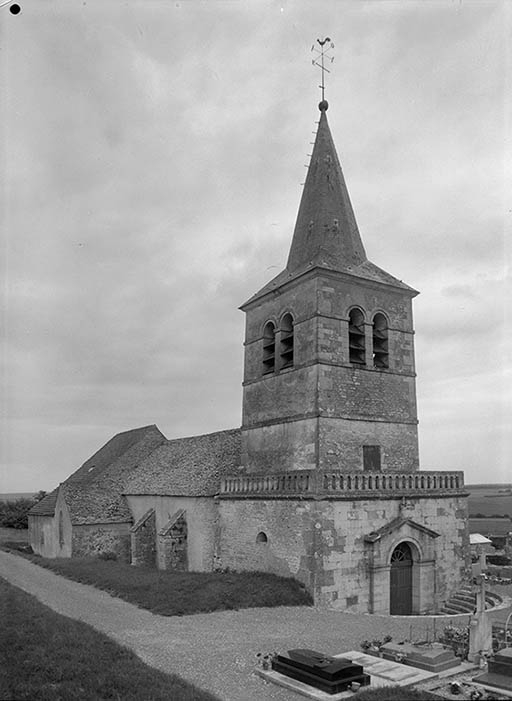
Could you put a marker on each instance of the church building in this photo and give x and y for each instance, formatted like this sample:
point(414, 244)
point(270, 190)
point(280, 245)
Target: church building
point(322, 480)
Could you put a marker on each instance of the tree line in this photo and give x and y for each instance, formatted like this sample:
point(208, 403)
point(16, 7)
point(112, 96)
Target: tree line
point(14, 514)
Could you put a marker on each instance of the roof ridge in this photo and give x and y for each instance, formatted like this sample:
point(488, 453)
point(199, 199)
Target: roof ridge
point(201, 435)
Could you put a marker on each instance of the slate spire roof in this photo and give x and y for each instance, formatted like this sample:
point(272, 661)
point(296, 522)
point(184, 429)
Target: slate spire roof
point(326, 234)
point(326, 229)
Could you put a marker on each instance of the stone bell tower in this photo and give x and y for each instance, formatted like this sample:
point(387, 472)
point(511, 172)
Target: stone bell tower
point(329, 377)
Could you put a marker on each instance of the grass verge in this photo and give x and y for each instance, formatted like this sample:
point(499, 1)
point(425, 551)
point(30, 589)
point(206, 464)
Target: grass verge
point(179, 593)
point(45, 656)
point(394, 693)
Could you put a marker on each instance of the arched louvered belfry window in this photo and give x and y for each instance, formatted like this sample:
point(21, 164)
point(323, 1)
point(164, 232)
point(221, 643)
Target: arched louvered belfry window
point(286, 341)
point(269, 348)
point(356, 340)
point(380, 341)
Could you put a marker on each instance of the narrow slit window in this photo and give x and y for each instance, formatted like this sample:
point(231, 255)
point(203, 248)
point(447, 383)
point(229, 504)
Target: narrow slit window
point(356, 341)
point(286, 341)
point(269, 348)
point(61, 530)
point(380, 341)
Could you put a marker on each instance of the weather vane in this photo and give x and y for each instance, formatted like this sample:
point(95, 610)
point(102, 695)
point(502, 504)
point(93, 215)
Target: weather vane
point(319, 60)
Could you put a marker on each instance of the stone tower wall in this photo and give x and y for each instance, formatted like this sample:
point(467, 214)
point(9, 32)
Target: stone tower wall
point(341, 444)
point(321, 412)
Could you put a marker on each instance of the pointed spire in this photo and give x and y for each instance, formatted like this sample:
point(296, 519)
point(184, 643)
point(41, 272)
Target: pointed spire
point(326, 232)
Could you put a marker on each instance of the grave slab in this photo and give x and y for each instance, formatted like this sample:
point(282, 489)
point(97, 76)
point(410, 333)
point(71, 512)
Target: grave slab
point(392, 672)
point(499, 671)
point(433, 658)
point(303, 689)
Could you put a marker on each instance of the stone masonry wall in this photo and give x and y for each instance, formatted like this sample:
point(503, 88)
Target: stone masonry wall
point(323, 545)
point(280, 408)
point(201, 525)
point(143, 541)
point(94, 539)
point(284, 446)
point(288, 527)
point(341, 441)
point(336, 296)
point(357, 393)
point(320, 307)
point(290, 394)
point(173, 546)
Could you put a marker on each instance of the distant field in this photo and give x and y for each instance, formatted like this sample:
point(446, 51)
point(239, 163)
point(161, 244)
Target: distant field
point(485, 499)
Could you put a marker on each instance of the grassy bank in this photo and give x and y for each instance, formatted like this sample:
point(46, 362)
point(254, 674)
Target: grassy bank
point(180, 593)
point(45, 656)
point(394, 693)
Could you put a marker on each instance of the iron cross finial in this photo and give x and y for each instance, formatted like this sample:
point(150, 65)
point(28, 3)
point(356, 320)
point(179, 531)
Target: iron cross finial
point(321, 55)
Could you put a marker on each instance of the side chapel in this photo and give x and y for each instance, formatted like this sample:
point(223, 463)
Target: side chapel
point(322, 481)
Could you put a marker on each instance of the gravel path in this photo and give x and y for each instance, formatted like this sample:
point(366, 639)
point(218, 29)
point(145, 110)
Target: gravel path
point(214, 651)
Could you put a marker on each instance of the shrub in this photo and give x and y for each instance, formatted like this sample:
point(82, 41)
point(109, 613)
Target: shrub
point(109, 555)
point(14, 514)
point(457, 638)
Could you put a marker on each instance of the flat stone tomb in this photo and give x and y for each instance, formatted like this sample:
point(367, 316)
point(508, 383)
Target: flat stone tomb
point(499, 671)
point(433, 658)
point(385, 672)
point(320, 671)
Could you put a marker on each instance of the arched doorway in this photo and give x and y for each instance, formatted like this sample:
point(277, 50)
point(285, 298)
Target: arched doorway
point(400, 586)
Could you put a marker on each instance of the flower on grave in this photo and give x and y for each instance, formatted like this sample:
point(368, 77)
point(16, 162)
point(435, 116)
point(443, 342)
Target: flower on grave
point(366, 645)
point(456, 634)
point(265, 660)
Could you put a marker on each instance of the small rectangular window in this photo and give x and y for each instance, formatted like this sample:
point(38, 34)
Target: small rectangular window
point(371, 458)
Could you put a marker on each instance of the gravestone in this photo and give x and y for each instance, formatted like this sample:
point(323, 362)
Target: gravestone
point(499, 671)
point(320, 671)
point(480, 627)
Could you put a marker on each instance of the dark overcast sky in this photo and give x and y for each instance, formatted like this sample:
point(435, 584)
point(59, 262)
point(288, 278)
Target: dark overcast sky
point(153, 155)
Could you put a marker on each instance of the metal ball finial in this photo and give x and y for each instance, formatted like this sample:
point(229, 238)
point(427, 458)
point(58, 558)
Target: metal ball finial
point(323, 106)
